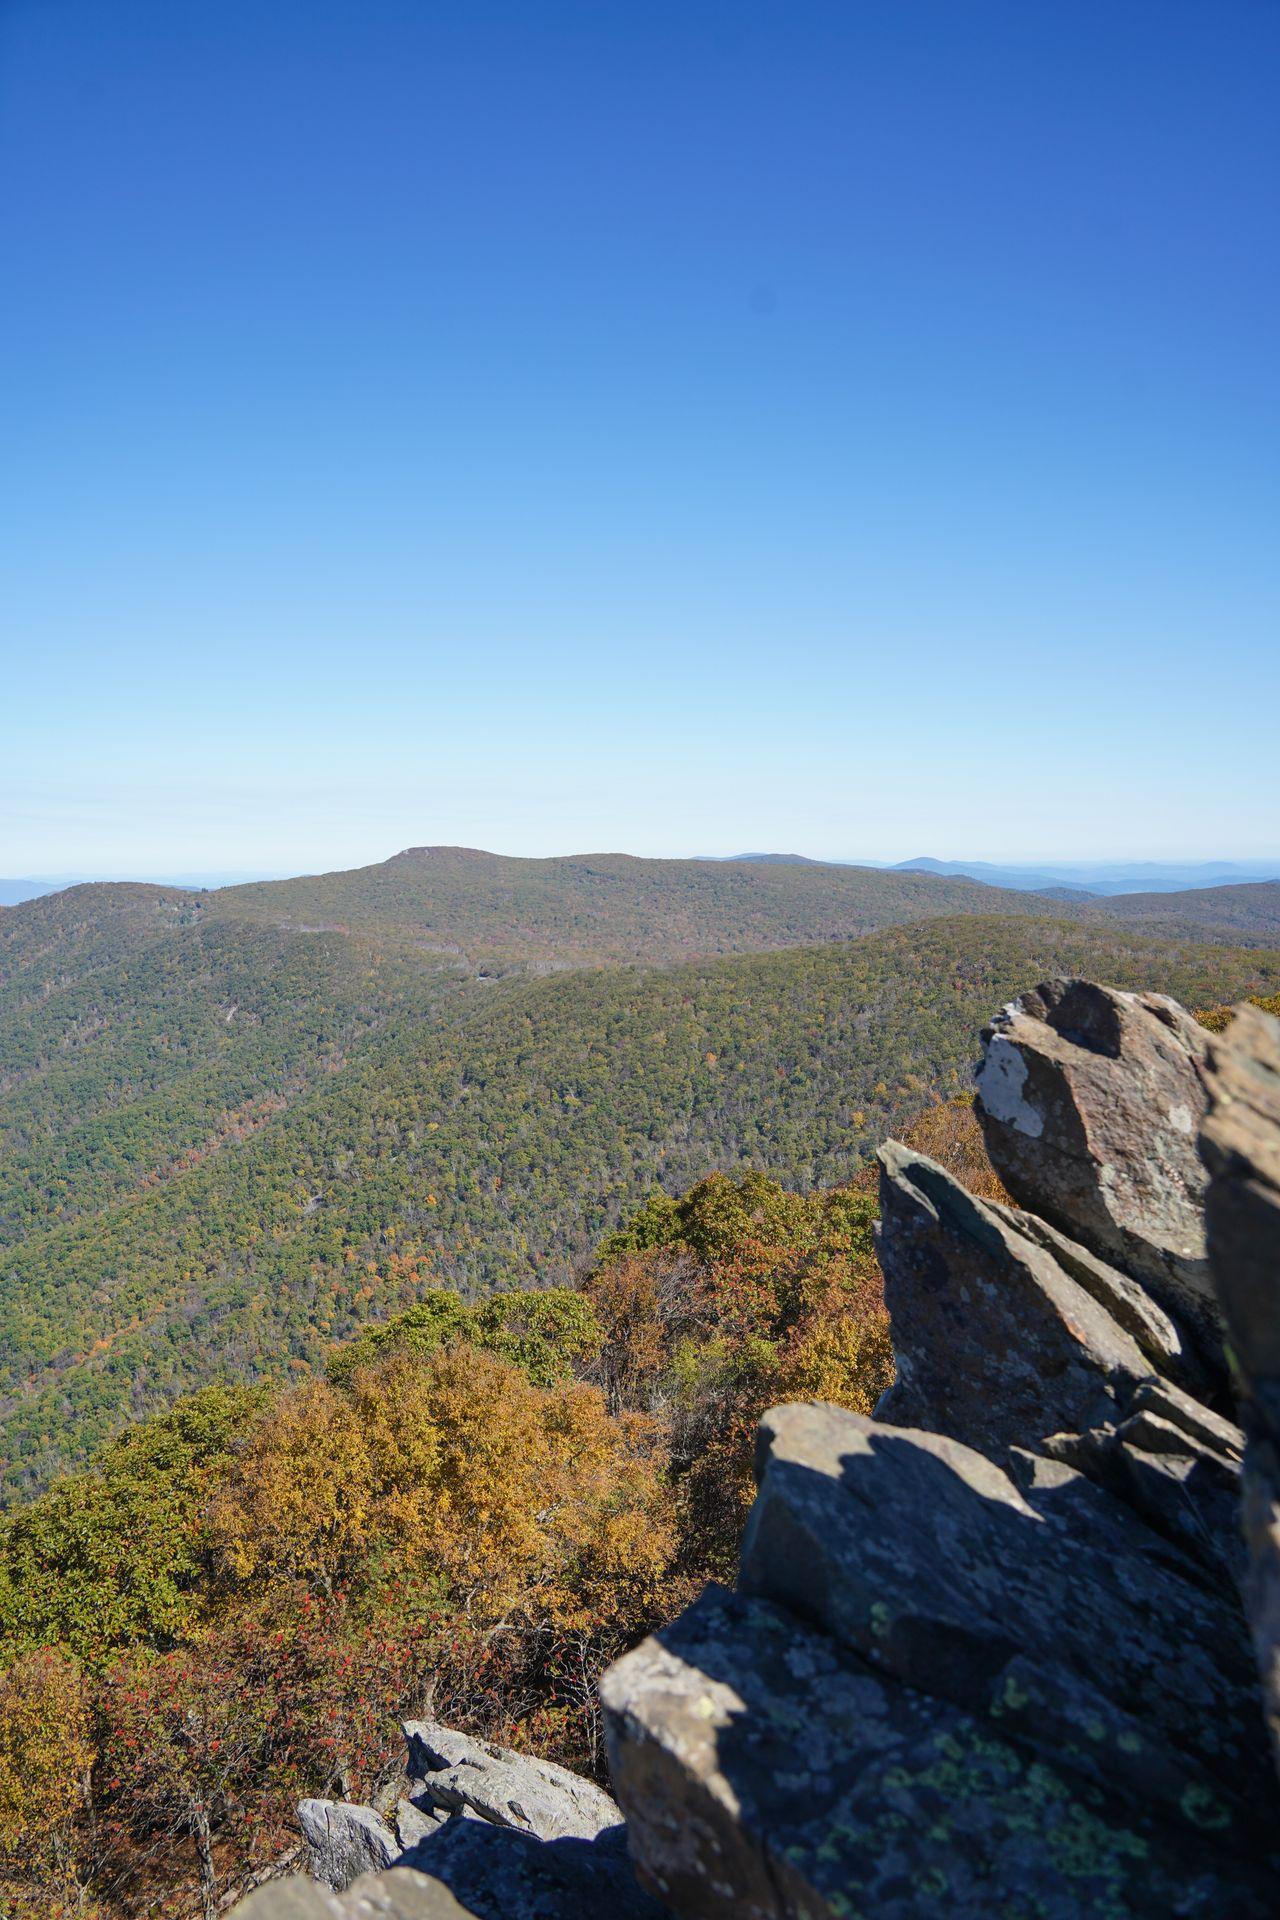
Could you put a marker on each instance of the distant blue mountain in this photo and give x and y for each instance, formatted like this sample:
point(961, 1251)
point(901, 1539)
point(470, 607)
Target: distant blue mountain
point(13, 892)
point(1103, 877)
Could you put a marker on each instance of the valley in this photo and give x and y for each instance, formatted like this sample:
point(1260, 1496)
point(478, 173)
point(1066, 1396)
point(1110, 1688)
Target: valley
point(227, 1142)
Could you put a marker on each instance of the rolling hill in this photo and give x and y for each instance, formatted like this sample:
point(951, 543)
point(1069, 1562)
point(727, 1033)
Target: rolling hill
point(225, 1143)
point(601, 909)
point(1250, 911)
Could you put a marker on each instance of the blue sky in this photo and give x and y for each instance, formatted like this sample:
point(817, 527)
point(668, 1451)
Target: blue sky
point(677, 428)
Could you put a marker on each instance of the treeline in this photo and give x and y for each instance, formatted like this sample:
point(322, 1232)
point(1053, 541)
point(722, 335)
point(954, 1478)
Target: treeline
point(382, 1123)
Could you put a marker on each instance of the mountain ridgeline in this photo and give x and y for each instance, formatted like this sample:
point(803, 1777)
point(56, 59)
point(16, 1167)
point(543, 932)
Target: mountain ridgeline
point(600, 909)
point(235, 1127)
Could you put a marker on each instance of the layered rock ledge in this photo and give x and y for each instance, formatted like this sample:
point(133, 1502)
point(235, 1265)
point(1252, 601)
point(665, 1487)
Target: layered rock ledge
point(988, 1653)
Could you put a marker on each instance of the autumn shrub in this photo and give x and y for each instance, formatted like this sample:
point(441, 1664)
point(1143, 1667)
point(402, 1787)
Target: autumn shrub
point(418, 1332)
point(1218, 1019)
point(715, 1306)
point(206, 1750)
point(549, 1333)
point(45, 1758)
point(949, 1132)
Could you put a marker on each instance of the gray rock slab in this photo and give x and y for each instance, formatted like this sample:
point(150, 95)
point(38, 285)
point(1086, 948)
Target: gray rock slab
point(344, 1840)
point(766, 1776)
point(1055, 1616)
point(996, 1342)
point(455, 1773)
point(1090, 1101)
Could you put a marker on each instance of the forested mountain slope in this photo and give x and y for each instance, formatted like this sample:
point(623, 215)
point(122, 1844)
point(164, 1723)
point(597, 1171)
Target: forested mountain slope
point(235, 1194)
point(609, 907)
point(1250, 911)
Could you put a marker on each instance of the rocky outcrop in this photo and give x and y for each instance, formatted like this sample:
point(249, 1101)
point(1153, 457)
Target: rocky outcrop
point(1090, 1101)
point(988, 1652)
point(452, 1773)
point(481, 1833)
point(1240, 1141)
point(344, 1841)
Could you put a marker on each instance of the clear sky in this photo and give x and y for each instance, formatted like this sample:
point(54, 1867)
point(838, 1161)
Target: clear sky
point(673, 427)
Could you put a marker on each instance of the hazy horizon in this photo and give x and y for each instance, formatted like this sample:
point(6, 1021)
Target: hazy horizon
point(1260, 867)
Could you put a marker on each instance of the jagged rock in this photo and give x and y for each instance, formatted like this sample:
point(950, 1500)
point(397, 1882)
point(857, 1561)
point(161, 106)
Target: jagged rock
point(417, 1823)
point(1050, 1614)
point(499, 1873)
point(1175, 1464)
point(482, 1834)
point(402, 1895)
point(1090, 1100)
point(454, 1773)
point(475, 1871)
point(1130, 1305)
point(344, 1841)
point(997, 1343)
point(769, 1775)
point(1240, 1142)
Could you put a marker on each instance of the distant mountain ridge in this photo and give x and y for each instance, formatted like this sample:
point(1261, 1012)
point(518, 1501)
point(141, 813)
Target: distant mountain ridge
point(607, 908)
point(1101, 877)
point(1251, 910)
point(14, 892)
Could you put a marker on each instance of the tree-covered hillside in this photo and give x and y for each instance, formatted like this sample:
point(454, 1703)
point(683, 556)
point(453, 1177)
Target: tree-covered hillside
point(1250, 911)
point(600, 908)
point(236, 1194)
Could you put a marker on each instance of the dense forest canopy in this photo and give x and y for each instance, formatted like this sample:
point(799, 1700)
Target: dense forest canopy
point(226, 1142)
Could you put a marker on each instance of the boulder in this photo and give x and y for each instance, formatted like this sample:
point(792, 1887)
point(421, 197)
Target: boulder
point(402, 1895)
point(996, 1340)
point(344, 1841)
point(414, 1823)
point(770, 1774)
point(481, 1833)
point(1090, 1100)
point(452, 1773)
point(1051, 1612)
point(1240, 1141)
point(474, 1871)
point(500, 1873)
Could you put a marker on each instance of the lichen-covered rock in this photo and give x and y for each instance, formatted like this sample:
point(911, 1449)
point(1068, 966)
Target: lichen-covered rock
point(989, 1655)
point(996, 1341)
point(1240, 1141)
point(1090, 1100)
point(344, 1841)
point(1050, 1613)
point(770, 1775)
point(455, 1773)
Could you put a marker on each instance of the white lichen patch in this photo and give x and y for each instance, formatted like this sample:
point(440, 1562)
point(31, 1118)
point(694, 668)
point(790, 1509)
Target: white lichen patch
point(1001, 1081)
